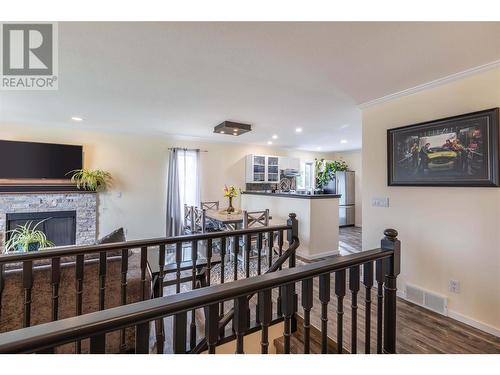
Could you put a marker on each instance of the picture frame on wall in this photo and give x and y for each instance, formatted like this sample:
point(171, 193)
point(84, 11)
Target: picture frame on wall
point(454, 151)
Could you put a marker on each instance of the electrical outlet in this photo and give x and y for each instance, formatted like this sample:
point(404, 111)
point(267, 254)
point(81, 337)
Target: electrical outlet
point(380, 202)
point(454, 286)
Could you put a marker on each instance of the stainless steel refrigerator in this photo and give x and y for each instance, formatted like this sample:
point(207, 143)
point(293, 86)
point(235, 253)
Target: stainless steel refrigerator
point(345, 187)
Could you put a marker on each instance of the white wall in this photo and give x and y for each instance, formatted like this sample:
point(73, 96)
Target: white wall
point(353, 160)
point(446, 232)
point(138, 164)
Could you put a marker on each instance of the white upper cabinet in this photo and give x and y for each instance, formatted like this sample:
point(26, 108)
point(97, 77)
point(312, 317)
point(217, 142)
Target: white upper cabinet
point(289, 163)
point(263, 168)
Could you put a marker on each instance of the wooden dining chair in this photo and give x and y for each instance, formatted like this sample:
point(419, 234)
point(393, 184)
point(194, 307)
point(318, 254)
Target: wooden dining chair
point(210, 205)
point(252, 220)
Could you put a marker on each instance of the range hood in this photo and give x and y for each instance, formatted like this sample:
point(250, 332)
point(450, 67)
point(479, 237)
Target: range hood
point(291, 172)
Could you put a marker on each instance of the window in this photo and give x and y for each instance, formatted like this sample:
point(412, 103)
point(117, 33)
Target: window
point(306, 179)
point(189, 189)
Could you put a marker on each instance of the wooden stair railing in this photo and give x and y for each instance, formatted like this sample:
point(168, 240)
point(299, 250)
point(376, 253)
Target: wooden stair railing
point(94, 326)
point(55, 258)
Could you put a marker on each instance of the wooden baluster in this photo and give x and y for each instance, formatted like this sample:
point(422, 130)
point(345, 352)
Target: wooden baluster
point(2, 285)
point(144, 266)
point(393, 264)
point(240, 321)
point(178, 261)
point(98, 344)
point(307, 304)
point(270, 242)
point(368, 283)
point(123, 294)
point(379, 276)
point(102, 278)
point(212, 327)
point(79, 293)
point(142, 338)
point(160, 330)
point(27, 285)
point(222, 275)
point(354, 288)
point(324, 297)
point(179, 334)
point(288, 308)
point(248, 248)
point(259, 253)
point(209, 261)
point(340, 293)
point(236, 247)
point(265, 305)
point(280, 244)
point(194, 258)
point(55, 280)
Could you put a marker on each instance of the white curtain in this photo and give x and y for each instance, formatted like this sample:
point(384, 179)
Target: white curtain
point(174, 212)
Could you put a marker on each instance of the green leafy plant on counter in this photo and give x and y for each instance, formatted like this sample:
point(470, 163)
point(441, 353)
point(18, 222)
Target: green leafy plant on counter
point(27, 238)
point(325, 171)
point(91, 180)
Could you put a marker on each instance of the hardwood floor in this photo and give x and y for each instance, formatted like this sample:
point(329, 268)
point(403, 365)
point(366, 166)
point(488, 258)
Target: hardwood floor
point(419, 331)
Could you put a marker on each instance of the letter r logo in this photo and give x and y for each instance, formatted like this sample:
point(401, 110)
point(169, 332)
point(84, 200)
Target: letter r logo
point(27, 49)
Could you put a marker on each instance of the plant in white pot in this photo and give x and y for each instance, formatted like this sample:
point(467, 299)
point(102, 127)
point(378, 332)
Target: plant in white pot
point(26, 238)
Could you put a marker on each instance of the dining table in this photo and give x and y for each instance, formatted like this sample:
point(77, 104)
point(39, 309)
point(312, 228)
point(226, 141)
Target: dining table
point(230, 221)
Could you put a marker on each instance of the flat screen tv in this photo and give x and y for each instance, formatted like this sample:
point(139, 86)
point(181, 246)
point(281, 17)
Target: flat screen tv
point(29, 160)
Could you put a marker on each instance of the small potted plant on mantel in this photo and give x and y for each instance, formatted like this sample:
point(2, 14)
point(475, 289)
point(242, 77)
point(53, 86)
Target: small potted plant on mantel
point(27, 238)
point(90, 179)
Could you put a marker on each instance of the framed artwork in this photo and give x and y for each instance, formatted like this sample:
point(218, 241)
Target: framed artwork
point(453, 151)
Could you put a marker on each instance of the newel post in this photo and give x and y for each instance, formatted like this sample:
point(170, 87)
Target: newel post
point(291, 234)
point(392, 269)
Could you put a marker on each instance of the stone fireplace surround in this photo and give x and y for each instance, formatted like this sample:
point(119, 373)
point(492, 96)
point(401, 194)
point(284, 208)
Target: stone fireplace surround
point(84, 203)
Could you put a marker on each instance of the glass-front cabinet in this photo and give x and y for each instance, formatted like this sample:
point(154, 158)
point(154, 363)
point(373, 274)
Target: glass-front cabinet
point(262, 168)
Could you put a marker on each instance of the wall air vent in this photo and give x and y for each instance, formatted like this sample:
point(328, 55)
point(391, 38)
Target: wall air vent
point(232, 128)
point(429, 300)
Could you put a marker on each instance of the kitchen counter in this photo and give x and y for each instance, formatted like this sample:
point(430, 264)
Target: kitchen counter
point(295, 195)
point(317, 214)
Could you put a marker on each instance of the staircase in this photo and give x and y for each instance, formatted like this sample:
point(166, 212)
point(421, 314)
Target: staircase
point(297, 341)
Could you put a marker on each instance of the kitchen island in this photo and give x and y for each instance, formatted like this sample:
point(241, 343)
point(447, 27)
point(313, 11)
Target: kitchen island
point(318, 216)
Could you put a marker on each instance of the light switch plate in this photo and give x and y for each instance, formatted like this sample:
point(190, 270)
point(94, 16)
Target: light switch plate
point(380, 202)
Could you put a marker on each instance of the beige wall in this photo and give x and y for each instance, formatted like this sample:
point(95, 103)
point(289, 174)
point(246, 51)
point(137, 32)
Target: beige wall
point(446, 233)
point(353, 160)
point(138, 164)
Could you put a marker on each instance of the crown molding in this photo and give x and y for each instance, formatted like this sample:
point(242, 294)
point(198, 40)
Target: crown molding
point(432, 84)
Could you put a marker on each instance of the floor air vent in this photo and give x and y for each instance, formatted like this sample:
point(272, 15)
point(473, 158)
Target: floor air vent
point(424, 298)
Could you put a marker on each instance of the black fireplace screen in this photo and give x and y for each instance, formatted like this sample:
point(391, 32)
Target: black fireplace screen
point(59, 226)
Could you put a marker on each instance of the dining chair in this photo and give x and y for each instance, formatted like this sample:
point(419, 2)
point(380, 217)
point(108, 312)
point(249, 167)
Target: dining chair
point(211, 225)
point(209, 205)
point(252, 220)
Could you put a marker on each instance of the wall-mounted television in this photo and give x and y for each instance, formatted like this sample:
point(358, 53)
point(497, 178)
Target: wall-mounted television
point(30, 160)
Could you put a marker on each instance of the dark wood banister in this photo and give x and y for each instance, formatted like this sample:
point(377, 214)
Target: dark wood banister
point(47, 335)
point(87, 249)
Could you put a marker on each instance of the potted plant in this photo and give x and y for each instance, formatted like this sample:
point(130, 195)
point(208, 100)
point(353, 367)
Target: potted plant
point(230, 192)
point(325, 171)
point(90, 179)
point(26, 238)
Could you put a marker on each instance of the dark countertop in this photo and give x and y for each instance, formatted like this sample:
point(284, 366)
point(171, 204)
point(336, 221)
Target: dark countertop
point(295, 195)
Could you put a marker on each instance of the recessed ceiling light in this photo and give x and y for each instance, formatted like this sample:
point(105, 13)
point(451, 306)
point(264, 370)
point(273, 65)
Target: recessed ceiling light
point(298, 130)
point(269, 142)
point(76, 118)
point(343, 141)
point(274, 136)
point(318, 148)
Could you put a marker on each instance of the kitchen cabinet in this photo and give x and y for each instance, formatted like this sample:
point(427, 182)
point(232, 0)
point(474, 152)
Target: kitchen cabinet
point(262, 169)
point(289, 163)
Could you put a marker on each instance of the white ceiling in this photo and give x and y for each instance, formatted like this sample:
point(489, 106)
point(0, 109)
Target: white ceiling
point(185, 78)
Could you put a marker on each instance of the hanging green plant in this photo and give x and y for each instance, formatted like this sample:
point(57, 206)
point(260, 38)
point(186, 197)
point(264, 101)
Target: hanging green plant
point(325, 171)
point(91, 180)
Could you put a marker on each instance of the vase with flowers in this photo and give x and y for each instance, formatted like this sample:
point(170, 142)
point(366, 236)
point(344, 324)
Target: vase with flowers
point(230, 193)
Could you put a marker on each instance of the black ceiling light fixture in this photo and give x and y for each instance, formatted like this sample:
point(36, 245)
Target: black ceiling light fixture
point(232, 128)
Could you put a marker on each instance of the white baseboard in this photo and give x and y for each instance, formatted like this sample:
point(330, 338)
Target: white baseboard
point(306, 256)
point(462, 318)
point(474, 323)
